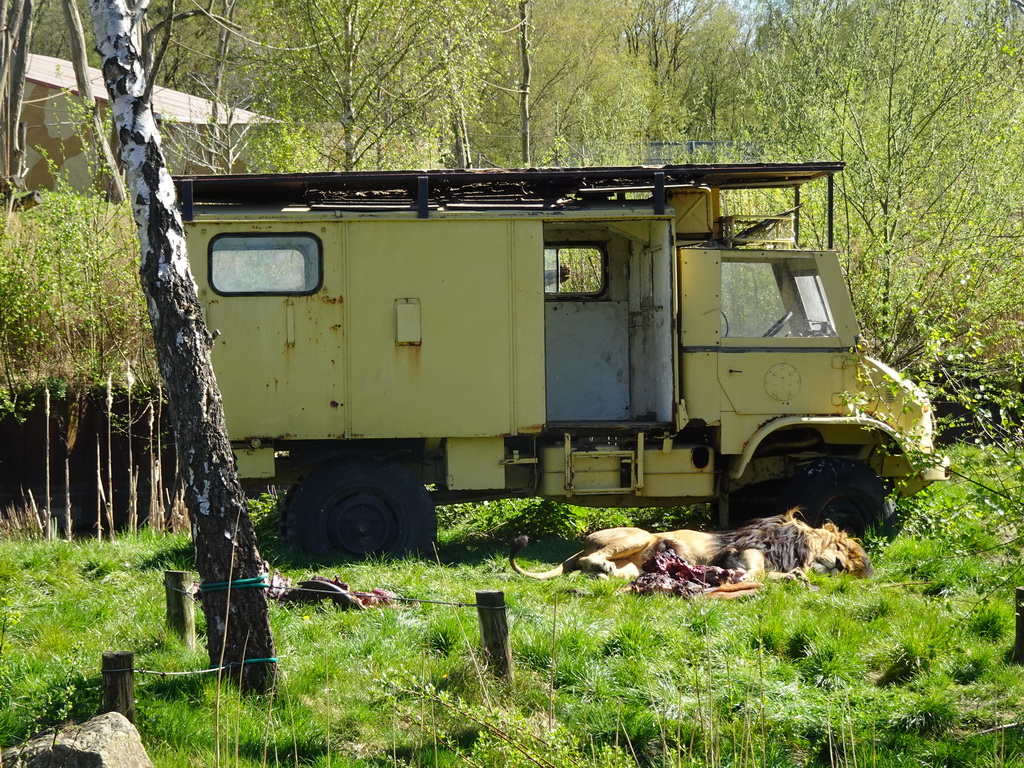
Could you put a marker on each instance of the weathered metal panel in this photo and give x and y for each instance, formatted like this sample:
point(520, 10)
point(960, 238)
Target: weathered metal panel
point(278, 359)
point(478, 286)
point(587, 353)
point(475, 463)
point(694, 214)
point(255, 462)
point(677, 473)
point(781, 381)
point(651, 327)
point(700, 328)
point(420, 329)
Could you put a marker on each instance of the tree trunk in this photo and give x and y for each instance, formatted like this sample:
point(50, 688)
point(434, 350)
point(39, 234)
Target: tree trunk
point(348, 79)
point(237, 624)
point(222, 153)
point(76, 36)
point(524, 84)
point(15, 33)
point(463, 158)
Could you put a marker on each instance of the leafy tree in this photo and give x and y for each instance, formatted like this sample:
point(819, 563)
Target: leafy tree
point(366, 83)
point(712, 93)
point(696, 54)
point(588, 108)
point(660, 34)
point(918, 97)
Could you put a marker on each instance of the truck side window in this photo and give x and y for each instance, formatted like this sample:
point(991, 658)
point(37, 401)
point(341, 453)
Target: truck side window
point(257, 264)
point(574, 269)
point(776, 297)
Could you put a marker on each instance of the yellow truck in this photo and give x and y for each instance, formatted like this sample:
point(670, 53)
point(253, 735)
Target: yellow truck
point(385, 341)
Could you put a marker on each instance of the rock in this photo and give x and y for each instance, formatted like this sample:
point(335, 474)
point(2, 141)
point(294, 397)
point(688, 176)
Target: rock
point(106, 741)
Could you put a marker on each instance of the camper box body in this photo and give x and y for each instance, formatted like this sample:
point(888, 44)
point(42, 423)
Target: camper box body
point(602, 336)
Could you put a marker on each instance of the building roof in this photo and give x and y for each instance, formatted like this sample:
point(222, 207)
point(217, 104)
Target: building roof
point(168, 104)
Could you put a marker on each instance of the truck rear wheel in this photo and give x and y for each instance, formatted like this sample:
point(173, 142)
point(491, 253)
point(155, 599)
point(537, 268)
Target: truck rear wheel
point(848, 493)
point(359, 508)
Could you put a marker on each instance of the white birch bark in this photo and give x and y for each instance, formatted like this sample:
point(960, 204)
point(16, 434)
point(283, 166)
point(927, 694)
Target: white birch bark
point(237, 623)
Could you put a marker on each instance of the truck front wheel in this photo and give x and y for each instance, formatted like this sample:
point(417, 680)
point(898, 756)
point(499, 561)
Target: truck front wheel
point(359, 508)
point(848, 493)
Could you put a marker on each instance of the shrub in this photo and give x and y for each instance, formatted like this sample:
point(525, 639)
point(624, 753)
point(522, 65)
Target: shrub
point(71, 306)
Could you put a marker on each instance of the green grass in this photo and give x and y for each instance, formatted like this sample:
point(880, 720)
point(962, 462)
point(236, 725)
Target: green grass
point(909, 668)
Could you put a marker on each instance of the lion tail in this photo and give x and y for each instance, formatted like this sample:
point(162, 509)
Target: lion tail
point(571, 564)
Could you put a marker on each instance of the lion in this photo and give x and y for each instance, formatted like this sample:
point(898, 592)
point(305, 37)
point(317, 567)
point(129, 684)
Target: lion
point(779, 546)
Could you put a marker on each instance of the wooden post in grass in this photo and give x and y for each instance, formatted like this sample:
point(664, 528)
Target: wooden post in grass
point(119, 683)
point(181, 614)
point(1018, 643)
point(494, 631)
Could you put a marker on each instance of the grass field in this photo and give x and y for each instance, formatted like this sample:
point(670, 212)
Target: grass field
point(909, 668)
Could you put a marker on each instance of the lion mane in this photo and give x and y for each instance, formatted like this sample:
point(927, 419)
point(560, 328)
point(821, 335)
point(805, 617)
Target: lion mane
point(768, 546)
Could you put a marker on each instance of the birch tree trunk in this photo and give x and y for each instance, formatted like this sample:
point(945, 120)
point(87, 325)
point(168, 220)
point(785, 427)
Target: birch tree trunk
point(237, 624)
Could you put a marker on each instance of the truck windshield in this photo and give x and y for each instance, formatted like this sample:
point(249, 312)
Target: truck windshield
point(774, 296)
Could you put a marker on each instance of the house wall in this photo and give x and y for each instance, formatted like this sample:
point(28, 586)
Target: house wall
point(55, 146)
point(60, 144)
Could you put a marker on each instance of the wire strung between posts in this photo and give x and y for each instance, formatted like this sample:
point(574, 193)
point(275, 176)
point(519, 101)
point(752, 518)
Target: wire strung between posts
point(232, 665)
point(260, 582)
point(404, 599)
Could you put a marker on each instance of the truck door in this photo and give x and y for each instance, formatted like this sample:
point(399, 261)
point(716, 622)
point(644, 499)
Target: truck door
point(586, 322)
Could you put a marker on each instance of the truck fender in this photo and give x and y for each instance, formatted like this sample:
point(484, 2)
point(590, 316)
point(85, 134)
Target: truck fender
point(743, 460)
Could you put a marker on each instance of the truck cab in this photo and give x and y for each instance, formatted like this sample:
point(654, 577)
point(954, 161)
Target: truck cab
point(607, 336)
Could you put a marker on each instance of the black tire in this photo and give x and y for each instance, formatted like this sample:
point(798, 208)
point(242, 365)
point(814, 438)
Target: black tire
point(848, 493)
point(360, 508)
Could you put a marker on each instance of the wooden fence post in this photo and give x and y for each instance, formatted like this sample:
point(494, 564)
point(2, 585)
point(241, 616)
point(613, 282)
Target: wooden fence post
point(119, 683)
point(181, 614)
point(1018, 643)
point(494, 631)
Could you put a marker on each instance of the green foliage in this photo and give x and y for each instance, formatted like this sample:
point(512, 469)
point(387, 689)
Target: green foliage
point(71, 310)
point(503, 519)
point(915, 97)
point(538, 518)
point(911, 653)
point(930, 713)
point(264, 511)
point(980, 504)
point(992, 621)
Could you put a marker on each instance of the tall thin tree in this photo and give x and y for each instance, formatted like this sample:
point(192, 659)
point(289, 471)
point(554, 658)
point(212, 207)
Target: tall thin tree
point(228, 561)
point(526, 73)
point(15, 32)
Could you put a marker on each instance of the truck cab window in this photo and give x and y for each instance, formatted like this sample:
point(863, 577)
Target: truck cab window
point(774, 297)
point(258, 265)
point(574, 269)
